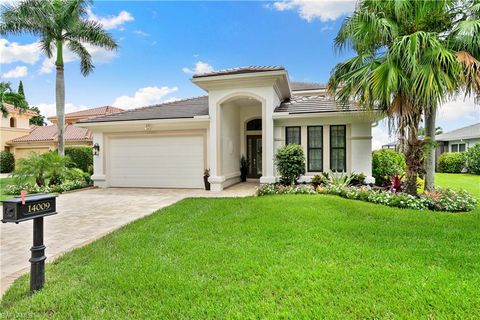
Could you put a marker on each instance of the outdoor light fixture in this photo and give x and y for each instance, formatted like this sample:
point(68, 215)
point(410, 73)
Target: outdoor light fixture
point(96, 149)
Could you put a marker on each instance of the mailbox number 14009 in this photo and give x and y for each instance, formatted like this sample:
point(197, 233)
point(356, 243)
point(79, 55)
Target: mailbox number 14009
point(38, 207)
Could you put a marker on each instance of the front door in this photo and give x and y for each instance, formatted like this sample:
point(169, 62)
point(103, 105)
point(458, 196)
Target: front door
point(254, 156)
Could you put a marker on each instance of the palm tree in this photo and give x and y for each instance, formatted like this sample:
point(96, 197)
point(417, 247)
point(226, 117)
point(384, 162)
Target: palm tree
point(7, 95)
point(405, 64)
point(438, 130)
point(57, 24)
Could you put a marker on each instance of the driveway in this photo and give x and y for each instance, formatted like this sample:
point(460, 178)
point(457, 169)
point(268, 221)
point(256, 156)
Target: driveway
point(84, 216)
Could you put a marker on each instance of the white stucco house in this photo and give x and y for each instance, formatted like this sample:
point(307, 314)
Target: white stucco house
point(249, 111)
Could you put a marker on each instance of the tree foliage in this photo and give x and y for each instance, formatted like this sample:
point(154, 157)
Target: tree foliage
point(7, 95)
point(411, 56)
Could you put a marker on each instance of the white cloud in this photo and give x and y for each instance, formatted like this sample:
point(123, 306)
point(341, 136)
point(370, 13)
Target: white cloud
point(200, 67)
point(459, 108)
point(144, 97)
point(141, 33)
point(14, 52)
point(18, 72)
point(99, 56)
point(323, 10)
point(111, 22)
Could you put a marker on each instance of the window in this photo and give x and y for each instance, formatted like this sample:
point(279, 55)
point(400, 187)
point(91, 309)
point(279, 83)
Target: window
point(458, 147)
point(13, 123)
point(254, 125)
point(315, 149)
point(292, 135)
point(338, 157)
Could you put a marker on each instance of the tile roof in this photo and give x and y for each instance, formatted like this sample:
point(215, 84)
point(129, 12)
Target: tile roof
point(49, 133)
point(11, 108)
point(301, 86)
point(312, 104)
point(239, 70)
point(187, 108)
point(468, 132)
point(93, 112)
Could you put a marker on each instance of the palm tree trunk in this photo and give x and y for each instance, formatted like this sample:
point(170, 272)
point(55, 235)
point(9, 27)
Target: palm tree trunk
point(430, 156)
point(413, 155)
point(60, 98)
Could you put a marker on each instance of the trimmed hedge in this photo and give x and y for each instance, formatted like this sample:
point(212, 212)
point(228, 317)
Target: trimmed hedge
point(7, 162)
point(473, 159)
point(451, 162)
point(82, 157)
point(385, 164)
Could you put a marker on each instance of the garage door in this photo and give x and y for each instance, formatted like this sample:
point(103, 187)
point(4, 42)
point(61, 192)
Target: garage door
point(161, 162)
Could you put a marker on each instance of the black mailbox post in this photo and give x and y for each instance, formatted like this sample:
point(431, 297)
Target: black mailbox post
point(34, 207)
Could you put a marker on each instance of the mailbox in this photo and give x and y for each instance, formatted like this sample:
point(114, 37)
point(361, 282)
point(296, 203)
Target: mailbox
point(33, 207)
point(37, 205)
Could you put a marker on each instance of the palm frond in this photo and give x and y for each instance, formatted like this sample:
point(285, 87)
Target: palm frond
point(86, 65)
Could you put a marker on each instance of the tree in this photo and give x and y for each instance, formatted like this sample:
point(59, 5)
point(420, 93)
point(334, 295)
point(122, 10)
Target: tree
point(57, 24)
point(407, 63)
point(7, 95)
point(438, 130)
point(37, 120)
point(20, 89)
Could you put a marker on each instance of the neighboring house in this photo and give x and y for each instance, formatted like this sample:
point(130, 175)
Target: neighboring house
point(459, 140)
point(42, 139)
point(249, 111)
point(14, 125)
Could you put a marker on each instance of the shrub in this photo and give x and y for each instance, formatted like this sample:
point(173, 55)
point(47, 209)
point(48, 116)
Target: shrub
point(82, 157)
point(66, 186)
point(7, 162)
point(451, 162)
point(472, 157)
point(290, 162)
point(385, 164)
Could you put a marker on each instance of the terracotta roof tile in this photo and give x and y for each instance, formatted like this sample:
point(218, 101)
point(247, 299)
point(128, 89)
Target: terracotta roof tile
point(49, 133)
point(93, 112)
point(11, 108)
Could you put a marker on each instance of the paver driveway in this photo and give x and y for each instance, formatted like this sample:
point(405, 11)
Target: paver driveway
point(87, 215)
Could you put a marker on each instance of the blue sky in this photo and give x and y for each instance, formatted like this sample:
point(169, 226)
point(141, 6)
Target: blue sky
point(163, 43)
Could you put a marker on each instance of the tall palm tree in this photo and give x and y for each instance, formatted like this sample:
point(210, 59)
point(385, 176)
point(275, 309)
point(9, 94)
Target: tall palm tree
point(7, 95)
point(57, 23)
point(406, 64)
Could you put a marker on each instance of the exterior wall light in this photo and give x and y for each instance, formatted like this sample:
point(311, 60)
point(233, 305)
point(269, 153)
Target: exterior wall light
point(96, 149)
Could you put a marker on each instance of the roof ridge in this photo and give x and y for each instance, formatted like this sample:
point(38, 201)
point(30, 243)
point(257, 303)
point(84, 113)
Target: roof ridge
point(160, 104)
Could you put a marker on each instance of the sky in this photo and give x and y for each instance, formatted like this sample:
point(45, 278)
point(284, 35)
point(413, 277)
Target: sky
point(162, 44)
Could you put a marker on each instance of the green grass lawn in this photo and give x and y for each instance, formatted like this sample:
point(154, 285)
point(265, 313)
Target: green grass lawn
point(295, 256)
point(3, 183)
point(468, 182)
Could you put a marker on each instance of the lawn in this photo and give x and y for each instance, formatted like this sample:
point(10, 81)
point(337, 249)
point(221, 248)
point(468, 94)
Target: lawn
point(3, 183)
point(465, 181)
point(295, 256)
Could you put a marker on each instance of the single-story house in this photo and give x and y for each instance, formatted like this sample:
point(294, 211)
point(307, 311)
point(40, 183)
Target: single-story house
point(459, 140)
point(249, 111)
point(16, 124)
point(40, 139)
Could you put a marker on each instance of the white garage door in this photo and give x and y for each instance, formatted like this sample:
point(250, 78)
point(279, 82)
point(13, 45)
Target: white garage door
point(162, 162)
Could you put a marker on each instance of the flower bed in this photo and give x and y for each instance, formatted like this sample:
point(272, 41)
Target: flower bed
point(66, 186)
point(440, 200)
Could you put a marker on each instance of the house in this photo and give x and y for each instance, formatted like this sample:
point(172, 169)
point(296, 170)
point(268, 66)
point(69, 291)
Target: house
point(249, 111)
point(459, 140)
point(14, 125)
point(41, 139)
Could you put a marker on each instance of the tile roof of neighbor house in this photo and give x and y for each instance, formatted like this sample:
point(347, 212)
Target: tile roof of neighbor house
point(468, 132)
point(187, 108)
point(11, 108)
point(239, 70)
point(305, 86)
point(93, 112)
point(49, 133)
